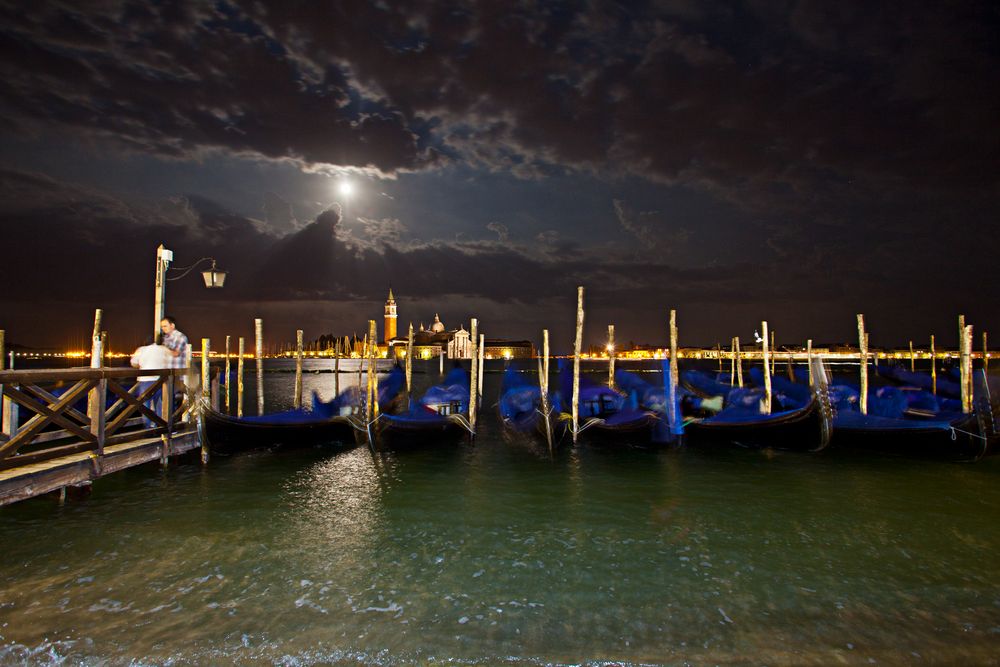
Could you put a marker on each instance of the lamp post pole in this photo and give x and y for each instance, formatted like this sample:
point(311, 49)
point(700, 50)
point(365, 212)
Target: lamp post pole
point(163, 259)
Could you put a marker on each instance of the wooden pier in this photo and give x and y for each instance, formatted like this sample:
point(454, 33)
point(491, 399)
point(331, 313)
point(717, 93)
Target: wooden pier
point(62, 445)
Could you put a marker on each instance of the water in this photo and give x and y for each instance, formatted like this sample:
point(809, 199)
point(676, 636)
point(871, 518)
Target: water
point(493, 553)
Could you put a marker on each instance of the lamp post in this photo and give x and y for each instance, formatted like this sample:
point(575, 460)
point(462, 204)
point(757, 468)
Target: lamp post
point(213, 277)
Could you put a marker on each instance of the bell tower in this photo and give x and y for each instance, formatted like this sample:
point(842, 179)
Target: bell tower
point(390, 317)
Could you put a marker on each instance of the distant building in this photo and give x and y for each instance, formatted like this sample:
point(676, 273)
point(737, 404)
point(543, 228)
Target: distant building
point(390, 318)
point(456, 343)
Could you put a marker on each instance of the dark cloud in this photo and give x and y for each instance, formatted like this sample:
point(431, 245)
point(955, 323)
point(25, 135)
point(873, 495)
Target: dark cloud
point(763, 103)
point(86, 249)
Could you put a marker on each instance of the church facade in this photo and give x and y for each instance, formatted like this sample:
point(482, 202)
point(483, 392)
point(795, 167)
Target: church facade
point(429, 343)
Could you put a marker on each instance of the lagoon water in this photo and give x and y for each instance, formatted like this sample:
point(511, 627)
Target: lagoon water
point(494, 553)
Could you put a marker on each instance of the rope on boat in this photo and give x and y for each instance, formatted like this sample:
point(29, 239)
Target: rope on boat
point(463, 422)
point(956, 431)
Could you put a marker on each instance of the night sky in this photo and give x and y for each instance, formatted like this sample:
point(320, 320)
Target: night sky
point(798, 162)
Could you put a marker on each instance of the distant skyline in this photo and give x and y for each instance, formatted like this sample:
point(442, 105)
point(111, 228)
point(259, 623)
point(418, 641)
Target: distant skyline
point(798, 162)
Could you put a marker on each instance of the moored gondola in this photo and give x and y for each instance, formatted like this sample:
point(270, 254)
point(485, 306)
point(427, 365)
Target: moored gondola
point(440, 416)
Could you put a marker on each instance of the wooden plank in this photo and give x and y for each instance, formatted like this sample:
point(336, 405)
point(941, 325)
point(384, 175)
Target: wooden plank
point(41, 376)
point(40, 478)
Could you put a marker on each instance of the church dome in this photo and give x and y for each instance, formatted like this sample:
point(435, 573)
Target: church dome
point(438, 326)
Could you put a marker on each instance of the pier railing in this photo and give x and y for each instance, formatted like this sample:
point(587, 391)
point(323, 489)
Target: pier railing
point(48, 414)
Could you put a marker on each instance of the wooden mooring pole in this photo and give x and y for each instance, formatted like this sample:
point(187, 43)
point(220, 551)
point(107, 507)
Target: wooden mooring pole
point(933, 367)
point(206, 360)
point(474, 375)
point(241, 351)
point(766, 408)
point(863, 362)
point(732, 362)
point(913, 359)
point(228, 372)
point(258, 328)
point(809, 356)
point(543, 386)
point(774, 357)
point(965, 363)
point(611, 356)
point(482, 351)
point(409, 364)
point(986, 355)
point(739, 364)
point(576, 362)
point(336, 367)
point(673, 415)
point(298, 368)
point(98, 395)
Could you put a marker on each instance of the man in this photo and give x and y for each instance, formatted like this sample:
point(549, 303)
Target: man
point(175, 342)
point(149, 356)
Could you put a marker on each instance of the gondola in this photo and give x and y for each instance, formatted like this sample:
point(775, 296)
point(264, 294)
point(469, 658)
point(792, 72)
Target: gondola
point(520, 406)
point(802, 427)
point(441, 415)
point(606, 415)
point(337, 423)
point(908, 421)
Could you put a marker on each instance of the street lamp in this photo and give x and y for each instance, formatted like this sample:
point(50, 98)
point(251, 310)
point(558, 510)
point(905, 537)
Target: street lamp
point(214, 277)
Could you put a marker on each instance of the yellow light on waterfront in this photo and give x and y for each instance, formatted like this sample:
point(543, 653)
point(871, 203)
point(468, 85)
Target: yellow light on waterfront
point(507, 354)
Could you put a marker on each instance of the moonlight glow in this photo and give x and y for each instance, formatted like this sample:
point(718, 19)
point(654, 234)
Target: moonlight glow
point(345, 188)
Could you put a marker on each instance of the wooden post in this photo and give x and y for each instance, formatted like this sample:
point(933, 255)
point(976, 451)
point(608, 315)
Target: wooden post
point(774, 357)
point(372, 392)
point(739, 364)
point(863, 361)
point(409, 363)
point(766, 408)
point(361, 363)
point(482, 351)
point(543, 385)
point(672, 414)
point(96, 400)
point(104, 348)
point(239, 378)
point(258, 328)
point(473, 384)
point(611, 356)
point(965, 361)
point(576, 362)
point(718, 350)
point(441, 362)
point(9, 417)
point(228, 373)
point(336, 367)
point(913, 359)
point(167, 413)
point(206, 346)
point(969, 345)
point(933, 367)
point(986, 355)
point(216, 377)
point(298, 368)
point(732, 362)
point(809, 356)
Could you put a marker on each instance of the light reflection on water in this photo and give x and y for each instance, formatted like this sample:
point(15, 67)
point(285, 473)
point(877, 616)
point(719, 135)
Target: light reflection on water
point(493, 552)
